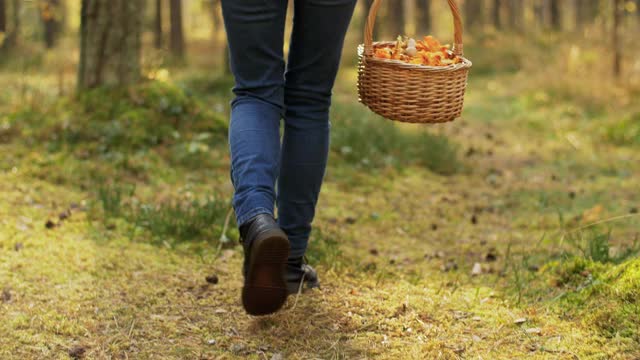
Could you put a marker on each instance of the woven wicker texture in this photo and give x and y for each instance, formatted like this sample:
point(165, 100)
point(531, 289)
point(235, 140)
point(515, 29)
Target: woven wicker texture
point(408, 92)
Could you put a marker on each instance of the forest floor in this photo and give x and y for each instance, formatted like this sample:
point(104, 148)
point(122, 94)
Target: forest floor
point(471, 240)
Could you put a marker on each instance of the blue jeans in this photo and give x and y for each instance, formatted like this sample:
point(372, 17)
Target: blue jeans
point(299, 92)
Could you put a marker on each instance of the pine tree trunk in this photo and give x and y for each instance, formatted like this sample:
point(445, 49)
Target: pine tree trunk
point(556, 18)
point(157, 26)
point(13, 35)
point(617, 53)
point(473, 13)
point(516, 14)
point(177, 34)
point(425, 20)
point(3, 19)
point(395, 18)
point(497, 19)
point(49, 14)
point(110, 42)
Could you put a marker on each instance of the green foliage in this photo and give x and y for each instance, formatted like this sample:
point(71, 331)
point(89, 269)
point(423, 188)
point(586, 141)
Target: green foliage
point(183, 220)
point(324, 249)
point(364, 140)
point(595, 245)
point(169, 222)
point(111, 197)
point(110, 119)
point(625, 132)
point(607, 296)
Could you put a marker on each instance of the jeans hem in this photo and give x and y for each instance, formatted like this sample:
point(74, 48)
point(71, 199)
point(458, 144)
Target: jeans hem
point(243, 218)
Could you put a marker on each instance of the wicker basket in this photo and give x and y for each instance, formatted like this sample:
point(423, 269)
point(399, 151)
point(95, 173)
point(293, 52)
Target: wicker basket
point(407, 92)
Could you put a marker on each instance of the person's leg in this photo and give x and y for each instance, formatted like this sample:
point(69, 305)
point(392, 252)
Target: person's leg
point(255, 31)
point(314, 57)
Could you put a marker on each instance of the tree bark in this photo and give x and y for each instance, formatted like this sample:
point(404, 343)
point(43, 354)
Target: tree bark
point(3, 19)
point(177, 34)
point(515, 9)
point(395, 17)
point(497, 19)
point(617, 52)
point(110, 44)
point(49, 13)
point(157, 26)
point(425, 20)
point(474, 13)
point(13, 35)
point(556, 15)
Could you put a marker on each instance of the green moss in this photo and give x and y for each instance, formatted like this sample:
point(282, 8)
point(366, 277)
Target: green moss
point(625, 132)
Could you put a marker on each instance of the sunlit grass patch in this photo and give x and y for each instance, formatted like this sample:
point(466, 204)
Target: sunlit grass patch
point(625, 132)
point(168, 221)
point(366, 141)
point(324, 248)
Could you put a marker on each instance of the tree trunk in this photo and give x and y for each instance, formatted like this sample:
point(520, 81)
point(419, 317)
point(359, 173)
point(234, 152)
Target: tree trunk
point(177, 35)
point(497, 19)
point(474, 13)
point(157, 26)
point(49, 13)
point(110, 32)
point(12, 36)
point(425, 20)
point(395, 18)
point(617, 53)
point(539, 12)
point(3, 19)
point(556, 15)
point(516, 14)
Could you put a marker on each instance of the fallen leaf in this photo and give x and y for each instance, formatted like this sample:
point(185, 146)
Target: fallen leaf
point(534, 331)
point(77, 352)
point(477, 269)
point(238, 348)
point(64, 215)
point(520, 321)
point(593, 214)
point(449, 266)
point(491, 256)
point(212, 279)
point(6, 295)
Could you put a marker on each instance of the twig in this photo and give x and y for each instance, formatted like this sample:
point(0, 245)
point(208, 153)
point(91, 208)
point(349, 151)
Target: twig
point(619, 217)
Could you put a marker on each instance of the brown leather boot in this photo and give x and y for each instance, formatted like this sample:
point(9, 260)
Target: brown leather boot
point(300, 276)
point(266, 248)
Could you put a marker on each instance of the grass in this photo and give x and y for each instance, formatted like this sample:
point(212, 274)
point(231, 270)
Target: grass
point(110, 231)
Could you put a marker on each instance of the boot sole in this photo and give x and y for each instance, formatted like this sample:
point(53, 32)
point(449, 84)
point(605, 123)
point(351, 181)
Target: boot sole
point(265, 288)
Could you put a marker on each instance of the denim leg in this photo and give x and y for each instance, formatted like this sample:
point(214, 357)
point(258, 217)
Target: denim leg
point(314, 58)
point(255, 31)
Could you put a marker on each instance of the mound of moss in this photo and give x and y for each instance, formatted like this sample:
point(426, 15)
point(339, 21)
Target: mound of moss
point(605, 295)
point(106, 119)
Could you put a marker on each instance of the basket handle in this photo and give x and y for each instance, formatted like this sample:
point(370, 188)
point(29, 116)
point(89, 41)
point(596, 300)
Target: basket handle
point(371, 22)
